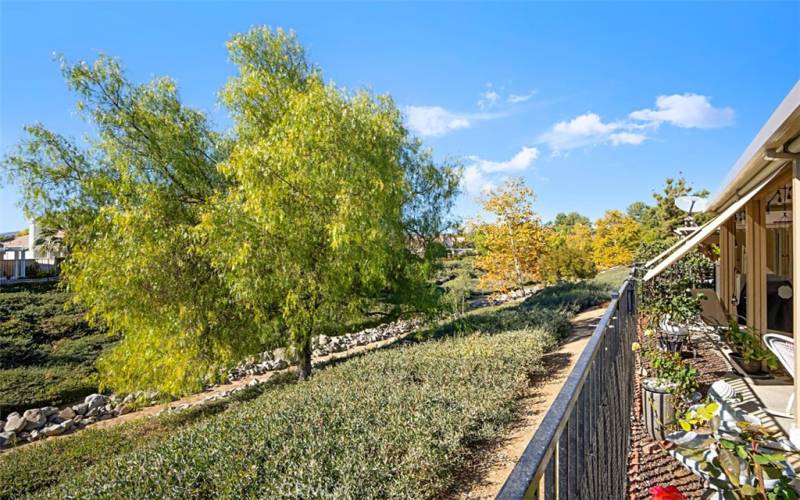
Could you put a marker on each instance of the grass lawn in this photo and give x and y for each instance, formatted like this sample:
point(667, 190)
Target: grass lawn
point(613, 278)
point(47, 351)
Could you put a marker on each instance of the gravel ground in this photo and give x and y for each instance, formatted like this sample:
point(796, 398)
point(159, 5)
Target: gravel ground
point(649, 464)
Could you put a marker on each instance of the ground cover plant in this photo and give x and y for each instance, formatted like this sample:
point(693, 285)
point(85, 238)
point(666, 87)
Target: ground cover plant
point(409, 417)
point(549, 310)
point(31, 469)
point(47, 350)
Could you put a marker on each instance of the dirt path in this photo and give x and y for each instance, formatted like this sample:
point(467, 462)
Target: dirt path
point(487, 477)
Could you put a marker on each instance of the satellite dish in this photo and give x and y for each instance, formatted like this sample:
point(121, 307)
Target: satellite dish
point(691, 204)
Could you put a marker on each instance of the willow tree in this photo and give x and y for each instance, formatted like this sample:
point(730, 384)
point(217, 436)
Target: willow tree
point(129, 204)
point(330, 192)
point(199, 248)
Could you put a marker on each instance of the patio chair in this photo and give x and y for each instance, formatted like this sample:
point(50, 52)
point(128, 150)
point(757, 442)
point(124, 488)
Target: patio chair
point(783, 349)
point(712, 313)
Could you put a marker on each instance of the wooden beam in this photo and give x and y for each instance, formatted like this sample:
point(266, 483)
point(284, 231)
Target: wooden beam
point(727, 261)
point(755, 265)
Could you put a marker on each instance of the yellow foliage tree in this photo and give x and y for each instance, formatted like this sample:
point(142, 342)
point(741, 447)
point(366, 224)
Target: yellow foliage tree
point(616, 238)
point(514, 244)
point(569, 254)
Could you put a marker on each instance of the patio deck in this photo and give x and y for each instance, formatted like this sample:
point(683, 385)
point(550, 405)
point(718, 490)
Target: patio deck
point(650, 464)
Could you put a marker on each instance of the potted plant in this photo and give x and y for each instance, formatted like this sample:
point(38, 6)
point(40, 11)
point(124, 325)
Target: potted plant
point(666, 390)
point(675, 311)
point(748, 351)
point(740, 461)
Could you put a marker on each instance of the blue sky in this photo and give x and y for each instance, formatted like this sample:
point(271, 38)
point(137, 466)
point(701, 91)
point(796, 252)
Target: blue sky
point(593, 104)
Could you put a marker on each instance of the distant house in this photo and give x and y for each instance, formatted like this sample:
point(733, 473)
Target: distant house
point(20, 254)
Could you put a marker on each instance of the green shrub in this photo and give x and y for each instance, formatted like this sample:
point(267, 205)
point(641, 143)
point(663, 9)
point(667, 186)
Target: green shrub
point(36, 386)
point(572, 297)
point(394, 423)
point(30, 469)
point(551, 321)
point(47, 351)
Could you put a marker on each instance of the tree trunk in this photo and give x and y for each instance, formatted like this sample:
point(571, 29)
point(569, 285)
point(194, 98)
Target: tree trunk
point(304, 363)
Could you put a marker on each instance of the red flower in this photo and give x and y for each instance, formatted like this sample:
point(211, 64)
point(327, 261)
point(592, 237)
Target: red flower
point(666, 493)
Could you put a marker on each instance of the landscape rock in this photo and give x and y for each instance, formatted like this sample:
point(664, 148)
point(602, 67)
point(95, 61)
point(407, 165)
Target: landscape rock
point(48, 411)
point(67, 413)
point(53, 430)
point(123, 409)
point(95, 400)
point(7, 439)
point(56, 419)
point(81, 409)
point(35, 419)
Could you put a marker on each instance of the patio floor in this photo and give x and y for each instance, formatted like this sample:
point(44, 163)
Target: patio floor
point(650, 464)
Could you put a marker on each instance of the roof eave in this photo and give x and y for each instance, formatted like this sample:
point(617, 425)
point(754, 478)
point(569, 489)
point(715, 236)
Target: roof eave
point(751, 168)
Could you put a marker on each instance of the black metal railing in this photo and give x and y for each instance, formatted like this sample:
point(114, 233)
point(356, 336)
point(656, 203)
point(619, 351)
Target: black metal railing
point(580, 450)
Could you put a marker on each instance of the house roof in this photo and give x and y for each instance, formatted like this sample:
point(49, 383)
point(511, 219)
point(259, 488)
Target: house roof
point(751, 168)
point(16, 242)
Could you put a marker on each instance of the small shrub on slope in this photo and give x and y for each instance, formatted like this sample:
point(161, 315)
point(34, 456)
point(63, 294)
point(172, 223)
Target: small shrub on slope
point(395, 423)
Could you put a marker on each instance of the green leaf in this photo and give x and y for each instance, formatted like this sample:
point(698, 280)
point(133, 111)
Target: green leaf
point(741, 452)
point(748, 490)
point(730, 465)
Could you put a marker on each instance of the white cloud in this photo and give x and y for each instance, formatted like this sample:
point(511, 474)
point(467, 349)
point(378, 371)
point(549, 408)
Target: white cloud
point(514, 99)
point(588, 129)
point(686, 111)
point(478, 175)
point(435, 120)
point(585, 130)
point(488, 99)
point(474, 182)
point(520, 161)
point(627, 138)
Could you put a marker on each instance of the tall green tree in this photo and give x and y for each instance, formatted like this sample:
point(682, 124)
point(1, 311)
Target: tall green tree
point(200, 248)
point(129, 205)
point(569, 254)
point(330, 190)
point(669, 216)
point(565, 222)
